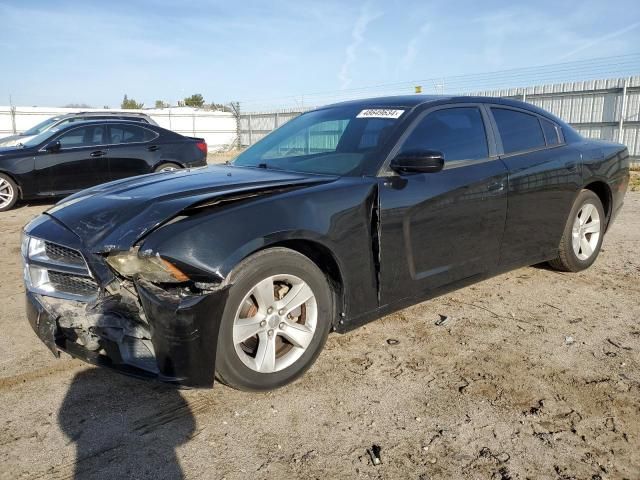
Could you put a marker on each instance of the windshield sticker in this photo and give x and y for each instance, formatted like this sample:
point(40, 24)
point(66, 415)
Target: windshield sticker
point(380, 113)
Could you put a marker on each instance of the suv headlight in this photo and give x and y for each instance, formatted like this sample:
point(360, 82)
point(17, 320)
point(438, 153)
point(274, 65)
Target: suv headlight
point(153, 268)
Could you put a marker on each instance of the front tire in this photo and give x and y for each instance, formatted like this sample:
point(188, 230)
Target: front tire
point(583, 234)
point(276, 320)
point(8, 193)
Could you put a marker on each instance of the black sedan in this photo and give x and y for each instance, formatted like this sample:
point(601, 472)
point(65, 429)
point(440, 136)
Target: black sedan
point(83, 154)
point(341, 216)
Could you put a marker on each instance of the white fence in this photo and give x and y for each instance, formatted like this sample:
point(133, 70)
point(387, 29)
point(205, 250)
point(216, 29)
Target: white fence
point(607, 109)
point(219, 129)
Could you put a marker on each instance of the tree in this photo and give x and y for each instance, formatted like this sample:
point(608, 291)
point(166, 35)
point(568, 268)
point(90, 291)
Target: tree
point(195, 100)
point(162, 104)
point(219, 106)
point(77, 105)
point(130, 103)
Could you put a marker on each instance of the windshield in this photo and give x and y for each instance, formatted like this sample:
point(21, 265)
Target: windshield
point(38, 139)
point(42, 126)
point(332, 141)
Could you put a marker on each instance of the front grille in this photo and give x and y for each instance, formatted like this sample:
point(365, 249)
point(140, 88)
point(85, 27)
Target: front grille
point(73, 284)
point(61, 254)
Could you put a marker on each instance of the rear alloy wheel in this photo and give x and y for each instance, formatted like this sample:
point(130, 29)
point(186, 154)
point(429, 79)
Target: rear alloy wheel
point(277, 318)
point(8, 193)
point(167, 167)
point(583, 234)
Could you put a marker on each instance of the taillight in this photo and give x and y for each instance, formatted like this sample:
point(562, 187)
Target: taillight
point(202, 146)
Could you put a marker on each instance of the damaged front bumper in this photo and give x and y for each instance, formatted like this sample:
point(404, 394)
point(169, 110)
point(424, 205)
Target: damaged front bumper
point(76, 305)
point(172, 338)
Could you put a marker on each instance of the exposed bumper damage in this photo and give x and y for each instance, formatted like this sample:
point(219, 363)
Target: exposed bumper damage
point(171, 337)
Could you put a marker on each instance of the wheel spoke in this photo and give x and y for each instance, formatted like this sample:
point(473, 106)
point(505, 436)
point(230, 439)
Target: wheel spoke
point(298, 295)
point(586, 213)
point(266, 354)
point(585, 246)
point(299, 335)
point(592, 227)
point(245, 328)
point(263, 293)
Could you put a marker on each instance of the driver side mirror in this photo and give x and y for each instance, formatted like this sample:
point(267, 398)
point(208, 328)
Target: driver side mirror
point(418, 161)
point(53, 147)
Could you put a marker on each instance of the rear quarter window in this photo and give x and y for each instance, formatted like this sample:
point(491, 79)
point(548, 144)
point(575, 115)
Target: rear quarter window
point(518, 131)
point(550, 132)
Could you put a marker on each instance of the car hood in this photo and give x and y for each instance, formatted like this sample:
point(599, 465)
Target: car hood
point(13, 140)
point(113, 216)
point(6, 152)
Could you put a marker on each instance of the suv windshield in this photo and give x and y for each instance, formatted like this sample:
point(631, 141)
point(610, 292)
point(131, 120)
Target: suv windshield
point(42, 126)
point(38, 139)
point(332, 141)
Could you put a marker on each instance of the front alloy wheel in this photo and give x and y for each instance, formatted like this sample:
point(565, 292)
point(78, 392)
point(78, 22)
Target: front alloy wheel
point(278, 314)
point(8, 193)
point(275, 323)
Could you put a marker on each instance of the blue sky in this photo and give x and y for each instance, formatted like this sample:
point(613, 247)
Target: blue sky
point(59, 52)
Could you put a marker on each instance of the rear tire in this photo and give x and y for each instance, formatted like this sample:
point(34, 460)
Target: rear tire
point(266, 339)
point(167, 167)
point(583, 234)
point(9, 193)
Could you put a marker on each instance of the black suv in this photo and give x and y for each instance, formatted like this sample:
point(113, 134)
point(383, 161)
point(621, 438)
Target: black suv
point(60, 121)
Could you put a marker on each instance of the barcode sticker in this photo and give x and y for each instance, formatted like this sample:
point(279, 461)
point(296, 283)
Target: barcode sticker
point(380, 113)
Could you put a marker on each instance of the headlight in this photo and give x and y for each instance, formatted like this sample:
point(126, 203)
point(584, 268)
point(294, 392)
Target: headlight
point(152, 268)
point(33, 248)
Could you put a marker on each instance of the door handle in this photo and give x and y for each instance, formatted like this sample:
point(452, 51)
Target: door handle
point(496, 187)
point(98, 153)
point(153, 148)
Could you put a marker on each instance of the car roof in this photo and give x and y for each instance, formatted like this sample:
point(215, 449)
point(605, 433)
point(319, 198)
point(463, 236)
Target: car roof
point(411, 101)
point(108, 120)
point(103, 114)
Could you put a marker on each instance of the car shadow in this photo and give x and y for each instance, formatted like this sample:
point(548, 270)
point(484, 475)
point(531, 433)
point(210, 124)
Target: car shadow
point(124, 427)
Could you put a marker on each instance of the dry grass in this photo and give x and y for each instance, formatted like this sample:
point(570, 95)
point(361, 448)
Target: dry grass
point(634, 182)
point(222, 157)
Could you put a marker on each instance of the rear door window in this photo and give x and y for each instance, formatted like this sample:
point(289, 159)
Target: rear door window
point(519, 131)
point(456, 132)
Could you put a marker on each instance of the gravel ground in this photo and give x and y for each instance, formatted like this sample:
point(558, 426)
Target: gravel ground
point(532, 374)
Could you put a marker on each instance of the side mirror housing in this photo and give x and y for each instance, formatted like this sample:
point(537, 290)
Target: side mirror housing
point(53, 147)
point(418, 161)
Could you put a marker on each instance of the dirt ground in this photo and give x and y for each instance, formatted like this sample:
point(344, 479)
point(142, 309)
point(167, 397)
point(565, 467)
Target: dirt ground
point(533, 374)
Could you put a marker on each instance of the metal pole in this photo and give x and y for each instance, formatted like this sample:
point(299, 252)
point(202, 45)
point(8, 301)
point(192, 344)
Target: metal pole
point(623, 111)
point(277, 121)
point(250, 130)
point(13, 119)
